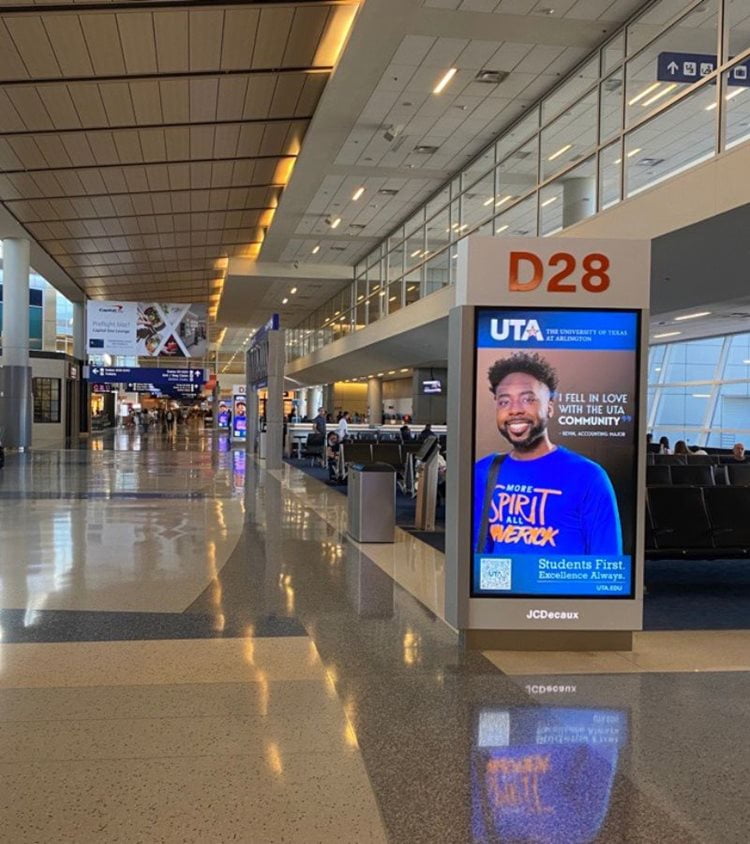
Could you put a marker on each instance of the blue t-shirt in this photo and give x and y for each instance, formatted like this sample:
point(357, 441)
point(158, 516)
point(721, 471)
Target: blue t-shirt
point(560, 503)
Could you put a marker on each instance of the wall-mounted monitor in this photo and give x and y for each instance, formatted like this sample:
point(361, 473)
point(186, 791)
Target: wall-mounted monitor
point(432, 388)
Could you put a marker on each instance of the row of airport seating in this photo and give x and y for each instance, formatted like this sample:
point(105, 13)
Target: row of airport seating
point(737, 474)
point(684, 522)
point(689, 459)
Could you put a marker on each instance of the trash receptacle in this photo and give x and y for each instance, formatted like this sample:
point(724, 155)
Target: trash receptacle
point(372, 502)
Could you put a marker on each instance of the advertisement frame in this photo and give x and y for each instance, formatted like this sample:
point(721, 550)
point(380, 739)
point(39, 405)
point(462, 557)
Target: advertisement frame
point(637, 371)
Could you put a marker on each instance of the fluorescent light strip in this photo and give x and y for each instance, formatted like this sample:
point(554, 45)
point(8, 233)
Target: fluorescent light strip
point(489, 201)
point(503, 200)
point(357, 194)
point(560, 152)
point(659, 95)
point(445, 80)
point(336, 222)
point(548, 201)
point(667, 334)
point(692, 316)
point(629, 155)
point(644, 93)
point(316, 249)
point(727, 98)
point(501, 229)
point(293, 291)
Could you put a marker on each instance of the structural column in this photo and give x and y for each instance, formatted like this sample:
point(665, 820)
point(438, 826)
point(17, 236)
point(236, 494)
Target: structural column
point(49, 319)
point(81, 390)
point(16, 407)
point(579, 199)
point(375, 401)
point(275, 401)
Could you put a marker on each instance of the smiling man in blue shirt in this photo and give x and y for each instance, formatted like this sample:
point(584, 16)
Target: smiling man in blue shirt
point(539, 497)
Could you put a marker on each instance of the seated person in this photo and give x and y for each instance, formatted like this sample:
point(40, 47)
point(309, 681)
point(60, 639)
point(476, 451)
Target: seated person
point(680, 447)
point(405, 434)
point(425, 432)
point(333, 446)
point(738, 453)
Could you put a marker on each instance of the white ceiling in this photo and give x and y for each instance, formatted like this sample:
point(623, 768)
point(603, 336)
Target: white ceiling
point(397, 52)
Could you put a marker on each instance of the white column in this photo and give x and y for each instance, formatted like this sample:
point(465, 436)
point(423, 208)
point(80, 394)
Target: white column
point(49, 319)
point(375, 401)
point(275, 401)
point(579, 199)
point(15, 386)
point(79, 331)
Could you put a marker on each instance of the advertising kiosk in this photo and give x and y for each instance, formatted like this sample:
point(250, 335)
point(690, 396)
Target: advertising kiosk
point(546, 443)
point(239, 414)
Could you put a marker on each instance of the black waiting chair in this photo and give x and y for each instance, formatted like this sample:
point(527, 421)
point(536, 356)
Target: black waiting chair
point(692, 475)
point(701, 460)
point(728, 508)
point(357, 453)
point(315, 448)
point(679, 519)
point(658, 475)
point(670, 459)
point(389, 453)
point(739, 473)
point(721, 475)
point(650, 459)
point(367, 437)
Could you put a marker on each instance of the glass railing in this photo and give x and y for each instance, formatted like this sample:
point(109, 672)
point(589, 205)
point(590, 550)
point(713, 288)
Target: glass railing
point(669, 90)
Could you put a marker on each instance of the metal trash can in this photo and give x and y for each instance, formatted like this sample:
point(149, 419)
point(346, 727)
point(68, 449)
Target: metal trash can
point(372, 502)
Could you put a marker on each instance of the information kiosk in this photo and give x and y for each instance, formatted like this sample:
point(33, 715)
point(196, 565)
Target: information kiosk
point(546, 443)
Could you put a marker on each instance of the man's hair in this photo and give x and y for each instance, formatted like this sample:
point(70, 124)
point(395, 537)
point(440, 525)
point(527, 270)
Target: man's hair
point(534, 365)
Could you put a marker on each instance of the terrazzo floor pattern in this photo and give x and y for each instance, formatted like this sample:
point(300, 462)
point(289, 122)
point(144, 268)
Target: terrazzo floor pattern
point(301, 692)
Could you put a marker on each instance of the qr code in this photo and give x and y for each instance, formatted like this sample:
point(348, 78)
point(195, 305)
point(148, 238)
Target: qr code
point(494, 573)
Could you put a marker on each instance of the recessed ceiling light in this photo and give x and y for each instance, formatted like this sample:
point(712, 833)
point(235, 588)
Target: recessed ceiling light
point(666, 334)
point(560, 152)
point(425, 149)
point(392, 372)
point(335, 223)
point(284, 301)
point(659, 94)
point(501, 229)
point(549, 201)
point(644, 93)
point(449, 74)
point(380, 374)
point(293, 291)
point(692, 316)
point(406, 370)
point(503, 200)
point(316, 249)
point(357, 194)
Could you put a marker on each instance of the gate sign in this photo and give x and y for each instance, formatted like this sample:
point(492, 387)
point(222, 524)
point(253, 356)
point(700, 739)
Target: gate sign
point(690, 67)
point(150, 376)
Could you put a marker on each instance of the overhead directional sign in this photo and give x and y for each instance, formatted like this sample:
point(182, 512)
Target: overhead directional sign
point(690, 67)
point(148, 376)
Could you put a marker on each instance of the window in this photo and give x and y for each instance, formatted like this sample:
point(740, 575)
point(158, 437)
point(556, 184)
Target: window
point(46, 399)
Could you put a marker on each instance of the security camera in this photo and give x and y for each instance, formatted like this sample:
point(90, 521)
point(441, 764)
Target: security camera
point(392, 132)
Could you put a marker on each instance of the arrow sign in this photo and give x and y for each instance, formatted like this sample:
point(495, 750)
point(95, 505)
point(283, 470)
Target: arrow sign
point(691, 67)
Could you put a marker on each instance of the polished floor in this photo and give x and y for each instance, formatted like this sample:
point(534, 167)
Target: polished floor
point(193, 651)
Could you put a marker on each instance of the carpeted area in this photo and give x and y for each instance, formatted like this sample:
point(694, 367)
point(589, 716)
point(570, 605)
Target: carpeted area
point(405, 507)
point(697, 595)
point(681, 594)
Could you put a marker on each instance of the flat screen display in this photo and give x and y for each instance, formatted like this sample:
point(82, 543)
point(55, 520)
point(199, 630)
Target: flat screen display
point(432, 387)
point(239, 418)
point(223, 415)
point(555, 452)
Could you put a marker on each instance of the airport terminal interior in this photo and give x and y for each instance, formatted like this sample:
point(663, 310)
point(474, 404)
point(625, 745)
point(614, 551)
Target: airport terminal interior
point(374, 405)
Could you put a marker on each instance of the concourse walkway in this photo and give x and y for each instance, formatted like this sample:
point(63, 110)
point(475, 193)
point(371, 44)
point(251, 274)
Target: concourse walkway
point(192, 651)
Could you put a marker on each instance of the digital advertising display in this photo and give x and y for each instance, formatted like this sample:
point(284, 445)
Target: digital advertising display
point(239, 418)
point(222, 415)
point(555, 441)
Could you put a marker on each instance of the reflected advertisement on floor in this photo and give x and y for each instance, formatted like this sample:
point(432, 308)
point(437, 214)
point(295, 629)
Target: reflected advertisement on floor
point(544, 773)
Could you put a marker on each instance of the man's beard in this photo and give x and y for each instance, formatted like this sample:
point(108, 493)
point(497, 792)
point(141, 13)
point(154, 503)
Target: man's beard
point(534, 434)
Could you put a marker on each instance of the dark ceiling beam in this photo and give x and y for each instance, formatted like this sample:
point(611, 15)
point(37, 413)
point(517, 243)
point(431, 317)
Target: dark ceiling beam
point(135, 127)
point(161, 77)
point(216, 247)
point(122, 6)
point(272, 185)
point(161, 162)
point(151, 214)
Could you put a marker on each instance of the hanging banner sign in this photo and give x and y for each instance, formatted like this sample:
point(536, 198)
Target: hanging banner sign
point(147, 329)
